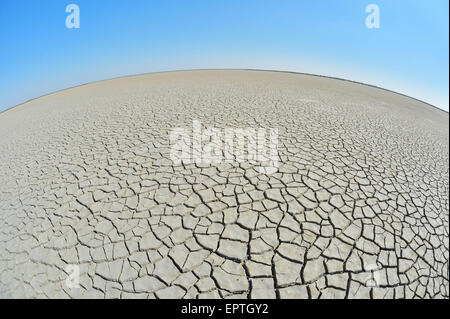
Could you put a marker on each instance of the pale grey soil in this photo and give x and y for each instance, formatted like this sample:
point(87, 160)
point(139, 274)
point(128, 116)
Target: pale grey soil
point(359, 206)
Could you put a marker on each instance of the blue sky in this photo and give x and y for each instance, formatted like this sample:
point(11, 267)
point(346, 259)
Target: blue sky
point(409, 53)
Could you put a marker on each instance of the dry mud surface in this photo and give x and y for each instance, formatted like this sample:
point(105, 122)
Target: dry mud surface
point(358, 208)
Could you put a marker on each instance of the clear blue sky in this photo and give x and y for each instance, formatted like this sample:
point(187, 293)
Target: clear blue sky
point(408, 54)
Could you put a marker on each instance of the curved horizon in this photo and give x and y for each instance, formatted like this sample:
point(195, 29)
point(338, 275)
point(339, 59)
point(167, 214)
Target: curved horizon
point(225, 69)
point(407, 54)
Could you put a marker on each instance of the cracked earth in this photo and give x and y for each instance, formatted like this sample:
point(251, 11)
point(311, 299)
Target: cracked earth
point(358, 208)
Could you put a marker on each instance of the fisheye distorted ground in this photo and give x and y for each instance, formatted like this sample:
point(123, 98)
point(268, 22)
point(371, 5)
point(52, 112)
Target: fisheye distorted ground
point(358, 206)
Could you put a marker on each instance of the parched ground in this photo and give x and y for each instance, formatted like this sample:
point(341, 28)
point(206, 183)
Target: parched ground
point(359, 206)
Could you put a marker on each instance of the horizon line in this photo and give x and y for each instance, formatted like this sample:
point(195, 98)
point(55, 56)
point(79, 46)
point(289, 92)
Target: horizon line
point(227, 69)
